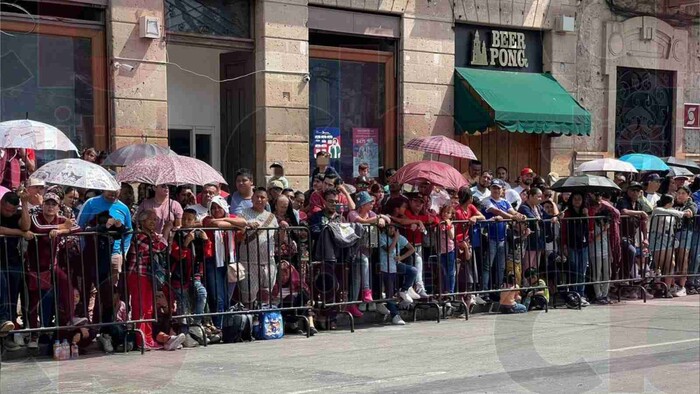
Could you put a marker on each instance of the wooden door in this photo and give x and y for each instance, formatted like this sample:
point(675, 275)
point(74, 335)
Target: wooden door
point(514, 151)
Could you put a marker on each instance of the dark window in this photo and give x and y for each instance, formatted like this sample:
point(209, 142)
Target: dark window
point(179, 141)
point(224, 18)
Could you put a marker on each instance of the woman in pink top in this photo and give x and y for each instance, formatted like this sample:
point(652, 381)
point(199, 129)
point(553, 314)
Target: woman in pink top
point(166, 209)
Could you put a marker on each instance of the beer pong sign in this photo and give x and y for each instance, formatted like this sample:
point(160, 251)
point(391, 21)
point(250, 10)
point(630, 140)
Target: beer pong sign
point(691, 116)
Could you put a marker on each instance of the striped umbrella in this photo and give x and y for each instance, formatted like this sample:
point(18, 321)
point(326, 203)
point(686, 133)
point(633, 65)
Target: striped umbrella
point(441, 146)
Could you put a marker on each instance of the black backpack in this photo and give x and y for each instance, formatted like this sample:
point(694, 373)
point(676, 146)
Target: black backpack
point(238, 327)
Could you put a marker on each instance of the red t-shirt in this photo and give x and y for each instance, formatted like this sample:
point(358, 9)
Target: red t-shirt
point(415, 237)
point(42, 245)
point(462, 229)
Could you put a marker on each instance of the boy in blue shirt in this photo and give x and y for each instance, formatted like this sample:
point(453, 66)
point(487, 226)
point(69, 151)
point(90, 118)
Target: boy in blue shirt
point(391, 243)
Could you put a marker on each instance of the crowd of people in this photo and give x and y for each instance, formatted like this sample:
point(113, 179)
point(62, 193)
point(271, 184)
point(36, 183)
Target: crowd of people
point(81, 259)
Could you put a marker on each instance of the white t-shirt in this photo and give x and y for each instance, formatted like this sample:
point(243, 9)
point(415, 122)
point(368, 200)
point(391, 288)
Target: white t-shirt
point(479, 196)
point(201, 210)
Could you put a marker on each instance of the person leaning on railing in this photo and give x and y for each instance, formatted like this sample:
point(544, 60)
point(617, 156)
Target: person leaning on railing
point(684, 235)
point(575, 241)
point(467, 238)
point(662, 241)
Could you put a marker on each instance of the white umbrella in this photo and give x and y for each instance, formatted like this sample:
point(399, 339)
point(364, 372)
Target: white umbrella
point(77, 173)
point(170, 170)
point(133, 153)
point(606, 165)
point(30, 134)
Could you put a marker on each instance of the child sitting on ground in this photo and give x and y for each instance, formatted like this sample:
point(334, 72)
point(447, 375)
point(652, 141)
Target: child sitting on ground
point(509, 299)
point(536, 299)
point(167, 336)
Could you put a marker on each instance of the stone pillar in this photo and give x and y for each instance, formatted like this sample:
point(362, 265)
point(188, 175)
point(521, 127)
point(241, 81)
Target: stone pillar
point(427, 61)
point(282, 93)
point(139, 108)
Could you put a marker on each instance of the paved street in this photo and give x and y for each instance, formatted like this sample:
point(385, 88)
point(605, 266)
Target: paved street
point(631, 347)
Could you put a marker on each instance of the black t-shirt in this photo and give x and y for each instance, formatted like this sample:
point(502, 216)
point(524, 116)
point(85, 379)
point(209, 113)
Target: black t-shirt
point(629, 224)
point(8, 245)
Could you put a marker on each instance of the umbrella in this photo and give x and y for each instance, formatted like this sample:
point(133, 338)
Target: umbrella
point(77, 173)
point(606, 165)
point(170, 170)
point(3, 190)
point(689, 164)
point(644, 162)
point(585, 183)
point(132, 153)
point(679, 171)
point(435, 172)
point(30, 134)
point(441, 146)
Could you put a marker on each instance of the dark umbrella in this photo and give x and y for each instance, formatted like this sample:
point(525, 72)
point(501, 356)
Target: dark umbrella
point(685, 163)
point(585, 183)
point(679, 171)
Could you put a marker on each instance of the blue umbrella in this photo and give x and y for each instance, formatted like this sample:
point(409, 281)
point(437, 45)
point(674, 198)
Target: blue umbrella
point(644, 162)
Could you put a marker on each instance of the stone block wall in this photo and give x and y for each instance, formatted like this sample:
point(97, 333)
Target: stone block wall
point(138, 97)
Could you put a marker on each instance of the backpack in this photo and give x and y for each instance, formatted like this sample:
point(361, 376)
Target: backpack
point(237, 328)
point(270, 326)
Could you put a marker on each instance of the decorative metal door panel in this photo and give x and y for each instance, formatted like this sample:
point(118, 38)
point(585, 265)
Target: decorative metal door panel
point(644, 112)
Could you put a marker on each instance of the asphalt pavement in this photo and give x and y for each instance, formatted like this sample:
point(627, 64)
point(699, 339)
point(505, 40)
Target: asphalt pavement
point(627, 347)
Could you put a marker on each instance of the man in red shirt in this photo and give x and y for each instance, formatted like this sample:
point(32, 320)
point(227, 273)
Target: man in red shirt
point(414, 227)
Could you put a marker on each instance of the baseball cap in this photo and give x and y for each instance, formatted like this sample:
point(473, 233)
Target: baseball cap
point(52, 196)
point(35, 182)
point(635, 185)
point(653, 177)
point(498, 183)
point(526, 171)
point(276, 164)
point(276, 184)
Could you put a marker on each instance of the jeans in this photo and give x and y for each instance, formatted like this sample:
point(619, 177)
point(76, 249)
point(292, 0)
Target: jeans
point(360, 273)
point(216, 282)
point(517, 308)
point(409, 277)
point(578, 262)
point(183, 300)
point(447, 261)
point(496, 263)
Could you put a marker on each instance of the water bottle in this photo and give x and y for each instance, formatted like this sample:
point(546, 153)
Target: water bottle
point(65, 350)
point(56, 350)
point(73, 351)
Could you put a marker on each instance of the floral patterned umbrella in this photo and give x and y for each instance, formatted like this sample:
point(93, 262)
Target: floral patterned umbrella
point(77, 173)
point(31, 134)
point(132, 153)
point(170, 170)
point(435, 172)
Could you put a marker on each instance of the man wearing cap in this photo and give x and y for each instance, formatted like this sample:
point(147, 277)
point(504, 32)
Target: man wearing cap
point(633, 219)
point(496, 208)
point(35, 192)
point(526, 177)
point(274, 190)
point(278, 175)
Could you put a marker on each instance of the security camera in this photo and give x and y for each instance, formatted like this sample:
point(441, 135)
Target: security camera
point(126, 67)
point(307, 77)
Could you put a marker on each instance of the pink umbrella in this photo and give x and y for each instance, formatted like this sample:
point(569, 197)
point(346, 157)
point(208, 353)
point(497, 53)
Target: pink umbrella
point(3, 190)
point(435, 172)
point(441, 146)
point(170, 170)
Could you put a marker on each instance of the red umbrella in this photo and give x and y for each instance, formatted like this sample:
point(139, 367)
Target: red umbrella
point(441, 146)
point(435, 172)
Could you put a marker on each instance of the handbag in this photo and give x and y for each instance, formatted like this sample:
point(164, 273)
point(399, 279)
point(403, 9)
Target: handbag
point(235, 272)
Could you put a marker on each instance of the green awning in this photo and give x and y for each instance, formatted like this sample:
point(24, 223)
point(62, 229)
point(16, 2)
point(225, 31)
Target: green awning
point(516, 102)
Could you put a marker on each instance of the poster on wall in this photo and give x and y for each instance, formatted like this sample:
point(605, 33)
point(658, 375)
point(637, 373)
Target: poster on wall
point(327, 139)
point(691, 116)
point(365, 149)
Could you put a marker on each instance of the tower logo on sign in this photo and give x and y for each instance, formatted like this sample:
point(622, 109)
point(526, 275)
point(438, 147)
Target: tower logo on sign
point(507, 49)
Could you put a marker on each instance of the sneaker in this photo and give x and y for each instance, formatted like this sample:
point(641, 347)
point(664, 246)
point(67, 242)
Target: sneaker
point(354, 311)
point(412, 293)
point(33, 343)
point(584, 302)
point(367, 295)
point(106, 343)
point(398, 321)
point(601, 301)
point(382, 309)
point(471, 300)
point(681, 292)
point(190, 342)
point(478, 300)
point(6, 327)
point(691, 290)
point(174, 342)
point(423, 294)
point(674, 291)
point(404, 296)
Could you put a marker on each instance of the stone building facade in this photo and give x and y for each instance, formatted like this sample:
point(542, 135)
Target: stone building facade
point(261, 85)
